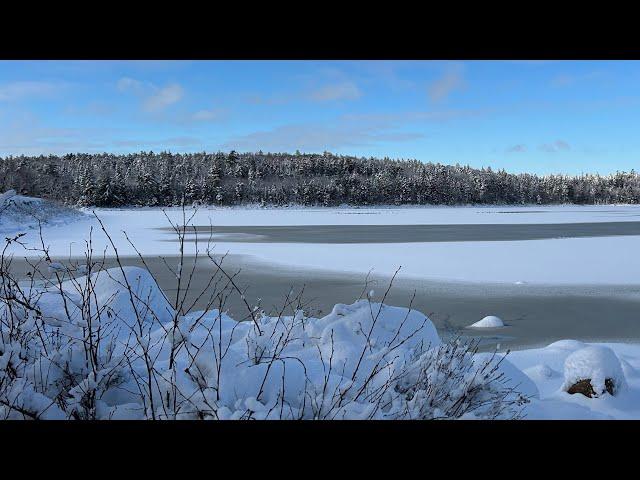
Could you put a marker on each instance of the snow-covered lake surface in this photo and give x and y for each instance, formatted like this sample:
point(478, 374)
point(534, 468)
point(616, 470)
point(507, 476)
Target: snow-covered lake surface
point(407, 215)
point(603, 260)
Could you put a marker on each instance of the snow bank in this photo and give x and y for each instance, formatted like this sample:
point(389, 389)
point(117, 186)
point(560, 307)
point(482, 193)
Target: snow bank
point(122, 352)
point(516, 378)
point(546, 367)
point(110, 345)
point(127, 294)
point(596, 364)
point(18, 213)
point(490, 321)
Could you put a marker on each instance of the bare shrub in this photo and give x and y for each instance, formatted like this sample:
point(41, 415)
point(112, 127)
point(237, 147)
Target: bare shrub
point(80, 341)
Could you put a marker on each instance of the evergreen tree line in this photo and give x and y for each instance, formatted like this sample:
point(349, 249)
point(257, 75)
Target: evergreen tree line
point(165, 179)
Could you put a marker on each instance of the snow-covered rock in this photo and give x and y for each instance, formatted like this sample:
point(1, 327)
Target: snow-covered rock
point(490, 321)
point(598, 365)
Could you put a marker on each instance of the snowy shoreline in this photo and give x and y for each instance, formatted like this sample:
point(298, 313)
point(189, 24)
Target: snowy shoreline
point(265, 377)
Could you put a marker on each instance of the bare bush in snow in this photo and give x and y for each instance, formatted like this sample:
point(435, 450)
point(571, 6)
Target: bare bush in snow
point(80, 341)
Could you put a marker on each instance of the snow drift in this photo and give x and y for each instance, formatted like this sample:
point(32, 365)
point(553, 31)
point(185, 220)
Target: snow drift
point(110, 345)
point(18, 212)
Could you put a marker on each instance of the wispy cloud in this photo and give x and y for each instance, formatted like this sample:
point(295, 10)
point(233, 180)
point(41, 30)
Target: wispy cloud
point(27, 89)
point(156, 99)
point(127, 84)
point(343, 90)
point(210, 115)
point(140, 144)
point(318, 137)
point(337, 91)
point(255, 99)
point(557, 146)
point(26, 134)
point(92, 109)
point(517, 148)
point(164, 98)
point(350, 130)
point(442, 115)
point(451, 80)
point(390, 74)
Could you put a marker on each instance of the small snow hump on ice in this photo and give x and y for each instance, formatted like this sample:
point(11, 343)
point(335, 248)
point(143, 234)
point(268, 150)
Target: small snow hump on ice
point(597, 364)
point(490, 321)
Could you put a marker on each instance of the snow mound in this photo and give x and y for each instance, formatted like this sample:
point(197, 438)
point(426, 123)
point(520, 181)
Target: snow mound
point(541, 372)
point(490, 321)
point(570, 345)
point(514, 377)
point(111, 345)
point(126, 295)
point(595, 363)
point(18, 212)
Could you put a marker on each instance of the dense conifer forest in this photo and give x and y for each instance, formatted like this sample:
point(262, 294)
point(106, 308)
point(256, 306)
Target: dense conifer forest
point(165, 179)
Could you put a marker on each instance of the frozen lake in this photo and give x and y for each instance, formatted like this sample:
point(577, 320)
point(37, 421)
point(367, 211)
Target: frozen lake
point(548, 272)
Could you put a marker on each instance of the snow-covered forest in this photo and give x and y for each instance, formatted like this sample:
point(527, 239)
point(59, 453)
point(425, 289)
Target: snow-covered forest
point(165, 179)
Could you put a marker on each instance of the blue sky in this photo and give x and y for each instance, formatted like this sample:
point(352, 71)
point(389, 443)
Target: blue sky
point(536, 116)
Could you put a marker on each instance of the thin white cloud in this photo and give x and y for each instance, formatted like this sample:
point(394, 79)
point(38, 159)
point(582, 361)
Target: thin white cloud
point(156, 99)
point(343, 90)
point(207, 115)
point(26, 89)
point(164, 143)
point(164, 98)
point(317, 137)
point(451, 80)
point(419, 116)
point(338, 91)
point(27, 135)
point(349, 130)
point(127, 84)
point(517, 148)
point(557, 146)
